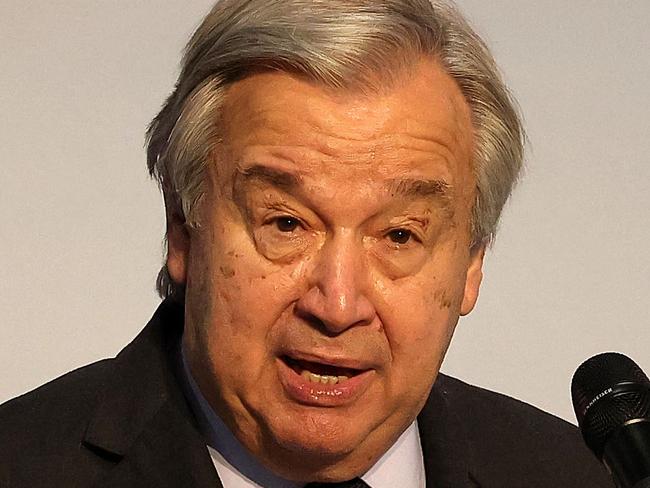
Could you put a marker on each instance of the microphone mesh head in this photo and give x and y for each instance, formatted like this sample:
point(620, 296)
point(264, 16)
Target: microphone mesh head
point(608, 390)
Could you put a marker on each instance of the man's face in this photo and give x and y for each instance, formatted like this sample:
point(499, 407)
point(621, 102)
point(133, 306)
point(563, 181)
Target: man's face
point(331, 265)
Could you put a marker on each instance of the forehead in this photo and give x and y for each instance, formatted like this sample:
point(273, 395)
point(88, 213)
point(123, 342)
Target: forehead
point(421, 126)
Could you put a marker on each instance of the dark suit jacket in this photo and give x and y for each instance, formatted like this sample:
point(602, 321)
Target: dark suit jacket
point(124, 422)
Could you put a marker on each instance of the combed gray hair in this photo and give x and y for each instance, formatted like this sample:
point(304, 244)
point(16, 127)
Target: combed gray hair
point(348, 44)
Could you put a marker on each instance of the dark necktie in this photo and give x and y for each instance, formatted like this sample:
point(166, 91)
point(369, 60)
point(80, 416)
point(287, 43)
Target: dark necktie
point(353, 483)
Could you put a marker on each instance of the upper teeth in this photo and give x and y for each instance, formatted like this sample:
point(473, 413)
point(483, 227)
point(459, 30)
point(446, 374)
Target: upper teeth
point(318, 378)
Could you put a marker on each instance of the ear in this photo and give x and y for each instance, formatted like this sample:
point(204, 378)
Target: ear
point(473, 279)
point(178, 243)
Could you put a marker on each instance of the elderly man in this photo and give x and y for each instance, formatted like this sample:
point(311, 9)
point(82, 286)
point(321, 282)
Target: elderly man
point(332, 171)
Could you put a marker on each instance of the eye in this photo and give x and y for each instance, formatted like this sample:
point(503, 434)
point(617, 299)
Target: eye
point(400, 236)
point(287, 224)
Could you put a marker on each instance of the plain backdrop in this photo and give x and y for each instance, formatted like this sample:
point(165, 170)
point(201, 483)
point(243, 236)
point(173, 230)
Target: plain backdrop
point(81, 224)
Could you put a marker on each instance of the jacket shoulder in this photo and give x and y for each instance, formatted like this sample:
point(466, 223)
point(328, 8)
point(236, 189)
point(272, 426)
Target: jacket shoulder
point(513, 441)
point(43, 429)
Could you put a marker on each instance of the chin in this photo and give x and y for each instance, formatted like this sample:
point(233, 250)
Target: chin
point(318, 462)
point(317, 446)
point(328, 434)
point(312, 441)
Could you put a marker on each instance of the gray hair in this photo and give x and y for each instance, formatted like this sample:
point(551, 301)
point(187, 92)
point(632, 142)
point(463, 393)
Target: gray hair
point(349, 44)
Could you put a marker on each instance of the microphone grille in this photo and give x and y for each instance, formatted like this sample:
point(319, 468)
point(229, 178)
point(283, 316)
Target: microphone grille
point(608, 390)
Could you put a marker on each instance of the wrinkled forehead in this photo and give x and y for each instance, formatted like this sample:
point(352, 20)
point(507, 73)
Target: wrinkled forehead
point(423, 96)
point(423, 121)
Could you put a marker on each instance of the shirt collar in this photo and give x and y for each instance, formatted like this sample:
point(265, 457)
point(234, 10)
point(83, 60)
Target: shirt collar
point(401, 465)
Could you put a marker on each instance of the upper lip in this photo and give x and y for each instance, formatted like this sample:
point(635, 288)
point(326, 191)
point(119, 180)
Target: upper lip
point(330, 360)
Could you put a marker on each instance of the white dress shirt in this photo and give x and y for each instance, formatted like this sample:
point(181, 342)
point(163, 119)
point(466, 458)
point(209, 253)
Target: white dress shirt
point(401, 466)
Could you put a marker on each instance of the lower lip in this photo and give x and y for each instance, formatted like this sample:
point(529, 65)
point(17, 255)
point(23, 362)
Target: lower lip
point(310, 393)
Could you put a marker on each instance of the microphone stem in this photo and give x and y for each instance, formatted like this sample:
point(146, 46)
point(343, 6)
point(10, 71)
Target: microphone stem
point(627, 454)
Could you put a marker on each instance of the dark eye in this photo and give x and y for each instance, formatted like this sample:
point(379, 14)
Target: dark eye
point(399, 236)
point(287, 224)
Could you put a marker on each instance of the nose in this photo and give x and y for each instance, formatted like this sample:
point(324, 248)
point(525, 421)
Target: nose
point(338, 284)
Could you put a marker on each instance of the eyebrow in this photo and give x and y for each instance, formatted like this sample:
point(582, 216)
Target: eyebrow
point(415, 188)
point(276, 177)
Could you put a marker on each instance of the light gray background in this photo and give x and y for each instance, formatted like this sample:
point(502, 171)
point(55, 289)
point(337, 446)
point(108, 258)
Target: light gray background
point(81, 224)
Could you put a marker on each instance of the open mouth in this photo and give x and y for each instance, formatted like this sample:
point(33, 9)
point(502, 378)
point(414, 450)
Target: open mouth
point(320, 373)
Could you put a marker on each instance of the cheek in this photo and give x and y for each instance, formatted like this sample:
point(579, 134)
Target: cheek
point(236, 298)
point(419, 316)
point(424, 326)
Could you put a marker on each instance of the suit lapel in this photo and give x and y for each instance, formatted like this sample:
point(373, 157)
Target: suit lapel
point(168, 453)
point(444, 443)
point(143, 423)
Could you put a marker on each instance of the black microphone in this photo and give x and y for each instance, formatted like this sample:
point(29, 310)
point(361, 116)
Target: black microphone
point(611, 398)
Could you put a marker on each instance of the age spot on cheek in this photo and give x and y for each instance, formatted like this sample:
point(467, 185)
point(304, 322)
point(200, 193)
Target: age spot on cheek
point(441, 297)
point(227, 271)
